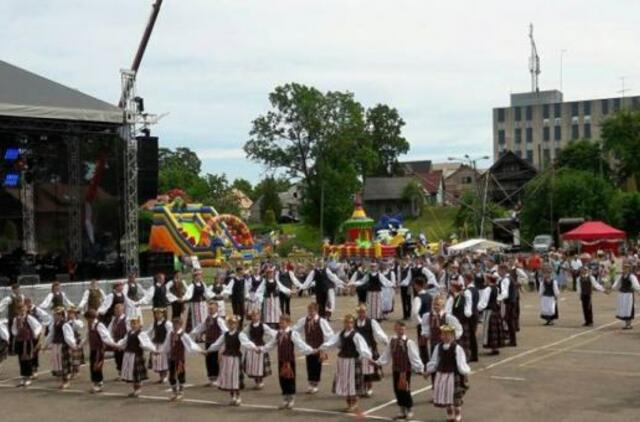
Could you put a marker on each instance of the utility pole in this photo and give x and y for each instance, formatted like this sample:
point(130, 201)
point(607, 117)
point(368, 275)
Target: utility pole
point(562, 53)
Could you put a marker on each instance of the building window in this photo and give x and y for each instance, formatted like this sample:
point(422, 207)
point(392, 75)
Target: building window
point(518, 135)
point(557, 133)
point(587, 130)
point(518, 112)
point(501, 115)
point(575, 132)
point(574, 109)
point(546, 133)
point(501, 137)
point(529, 112)
point(530, 156)
point(586, 108)
point(605, 106)
point(558, 152)
point(529, 135)
point(545, 111)
point(616, 104)
point(519, 154)
point(546, 156)
point(466, 180)
point(557, 110)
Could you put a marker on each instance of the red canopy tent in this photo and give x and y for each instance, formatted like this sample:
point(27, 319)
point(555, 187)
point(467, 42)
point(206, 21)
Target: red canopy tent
point(596, 235)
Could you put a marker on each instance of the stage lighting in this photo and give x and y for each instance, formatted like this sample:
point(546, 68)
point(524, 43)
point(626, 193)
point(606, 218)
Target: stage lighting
point(11, 179)
point(139, 103)
point(12, 154)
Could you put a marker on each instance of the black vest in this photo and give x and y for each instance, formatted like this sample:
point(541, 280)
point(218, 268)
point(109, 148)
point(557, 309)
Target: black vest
point(348, 346)
point(625, 284)
point(160, 296)
point(585, 286)
point(547, 289)
point(285, 279)
point(374, 284)
point(232, 344)
point(159, 331)
point(198, 293)
point(493, 304)
point(447, 362)
point(457, 310)
point(237, 292)
point(425, 303)
point(475, 298)
point(323, 284)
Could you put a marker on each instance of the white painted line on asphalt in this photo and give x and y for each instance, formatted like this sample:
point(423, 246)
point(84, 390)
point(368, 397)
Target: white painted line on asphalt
point(495, 377)
point(601, 352)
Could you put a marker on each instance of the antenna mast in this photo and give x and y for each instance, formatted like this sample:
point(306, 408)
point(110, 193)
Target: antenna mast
point(534, 62)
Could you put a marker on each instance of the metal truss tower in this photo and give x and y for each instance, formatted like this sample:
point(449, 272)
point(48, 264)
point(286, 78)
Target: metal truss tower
point(28, 216)
point(75, 201)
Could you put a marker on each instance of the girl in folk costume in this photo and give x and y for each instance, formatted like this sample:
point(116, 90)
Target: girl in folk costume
point(449, 364)
point(352, 347)
point(549, 293)
point(432, 321)
point(77, 354)
point(232, 342)
point(56, 298)
point(134, 370)
point(492, 328)
point(316, 331)
point(25, 329)
point(45, 320)
point(626, 284)
point(374, 282)
point(158, 362)
point(271, 290)
point(4, 340)
point(217, 292)
point(403, 354)
point(196, 296)
point(11, 303)
point(256, 362)
point(134, 293)
point(388, 292)
point(459, 304)
point(118, 328)
point(115, 298)
point(286, 341)
point(92, 297)
point(61, 340)
point(255, 293)
point(176, 346)
point(209, 331)
point(175, 290)
point(372, 333)
point(98, 337)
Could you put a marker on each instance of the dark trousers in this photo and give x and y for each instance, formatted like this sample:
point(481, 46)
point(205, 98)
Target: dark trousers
point(403, 398)
point(361, 292)
point(423, 347)
point(118, 355)
point(35, 362)
point(314, 368)
point(285, 304)
point(510, 317)
point(322, 296)
point(473, 340)
point(405, 296)
point(516, 312)
point(574, 279)
point(176, 309)
point(26, 365)
point(96, 373)
point(175, 375)
point(238, 309)
point(211, 362)
point(587, 310)
point(288, 385)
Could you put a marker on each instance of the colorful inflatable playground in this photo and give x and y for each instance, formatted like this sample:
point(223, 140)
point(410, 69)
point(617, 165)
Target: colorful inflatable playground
point(198, 230)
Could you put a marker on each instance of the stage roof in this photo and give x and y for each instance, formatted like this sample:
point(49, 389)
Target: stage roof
point(25, 94)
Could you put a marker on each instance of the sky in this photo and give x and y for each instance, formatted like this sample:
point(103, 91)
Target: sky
point(211, 64)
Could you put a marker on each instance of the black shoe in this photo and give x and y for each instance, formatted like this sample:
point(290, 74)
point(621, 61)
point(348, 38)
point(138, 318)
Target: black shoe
point(494, 352)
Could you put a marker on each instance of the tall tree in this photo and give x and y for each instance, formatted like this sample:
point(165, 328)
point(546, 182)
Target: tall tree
point(621, 137)
point(244, 186)
point(384, 127)
point(270, 198)
point(584, 155)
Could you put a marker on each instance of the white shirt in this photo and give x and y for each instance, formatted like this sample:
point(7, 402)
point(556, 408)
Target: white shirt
point(634, 283)
point(378, 333)
point(34, 324)
point(4, 331)
point(594, 283)
point(47, 300)
point(145, 342)
point(67, 333)
point(245, 343)
point(461, 359)
point(448, 319)
point(365, 280)
point(199, 329)
point(327, 331)
point(190, 346)
point(104, 334)
point(298, 343)
point(556, 291)
point(412, 352)
point(330, 275)
point(167, 324)
point(358, 340)
point(468, 303)
point(268, 331)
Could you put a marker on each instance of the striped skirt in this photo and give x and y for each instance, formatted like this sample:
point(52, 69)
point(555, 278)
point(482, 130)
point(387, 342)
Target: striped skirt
point(77, 357)
point(158, 362)
point(625, 310)
point(370, 372)
point(257, 364)
point(197, 314)
point(493, 331)
point(374, 305)
point(133, 368)
point(448, 389)
point(60, 360)
point(388, 296)
point(230, 373)
point(348, 381)
point(253, 305)
point(271, 310)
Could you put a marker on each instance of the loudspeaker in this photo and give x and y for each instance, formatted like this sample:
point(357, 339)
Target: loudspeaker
point(147, 168)
point(156, 262)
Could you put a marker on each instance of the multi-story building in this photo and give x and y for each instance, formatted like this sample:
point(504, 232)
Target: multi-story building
point(537, 125)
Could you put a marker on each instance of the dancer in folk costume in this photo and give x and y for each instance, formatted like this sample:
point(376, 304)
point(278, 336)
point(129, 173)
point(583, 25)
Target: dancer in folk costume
point(271, 290)
point(449, 365)
point(26, 330)
point(375, 281)
point(388, 292)
point(98, 338)
point(459, 304)
point(115, 298)
point(134, 369)
point(158, 295)
point(587, 283)
point(4, 340)
point(358, 274)
point(316, 331)
point(61, 340)
point(210, 330)
point(471, 291)
point(77, 353)
point(45, 320)
point(217, 291)
point(232, 343)
point(549, 292)
point(196, 297)
point(118, 328)
point(324, 282)
point(236, 289)
point(176, 346)
point(11, 303)
point(433, 320)
point(255, 293)
point(288, 279)
point(404, 281)
point(92, 297)
point(372, 333)
point(158, 362)
point(404, 356)
point(509, 293)
point(421, 305)
point(626, 283)
point(256, 362)
point(352, 348)
point(135, 293)
point(176, 288)
point(286, 340)
point(492, 328)
point(56, 298)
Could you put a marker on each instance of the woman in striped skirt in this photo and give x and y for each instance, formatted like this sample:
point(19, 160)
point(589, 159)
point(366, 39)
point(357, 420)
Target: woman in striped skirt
point(374, 281)
point(158, 362)
point(352, 347)
point(271, 288)
point(196, 296)
point(449, 364)
point(77, 353)
point(232, 342)
point(492, 328)
point(134, 344)
point(256, 362)
point(61, 340)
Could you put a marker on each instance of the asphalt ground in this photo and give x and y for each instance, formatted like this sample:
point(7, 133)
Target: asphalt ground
point(565, 372)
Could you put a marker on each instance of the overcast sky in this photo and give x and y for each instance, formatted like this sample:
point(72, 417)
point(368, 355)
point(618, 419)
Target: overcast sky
point(211, 63)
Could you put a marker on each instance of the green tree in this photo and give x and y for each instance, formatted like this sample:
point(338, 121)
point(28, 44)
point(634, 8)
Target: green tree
point(384, 128)
point(584, 155)
point(627, 206)
point(621, 137)
point(270, 199)
point(244, 186)
point(468, 218)
point(282, 184)
point(181, 169)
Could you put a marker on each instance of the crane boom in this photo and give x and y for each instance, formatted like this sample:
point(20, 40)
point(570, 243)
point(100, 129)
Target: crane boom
point(534, 62)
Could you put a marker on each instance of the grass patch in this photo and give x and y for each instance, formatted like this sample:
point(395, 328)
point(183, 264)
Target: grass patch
point(302, 236)
point(437, 222)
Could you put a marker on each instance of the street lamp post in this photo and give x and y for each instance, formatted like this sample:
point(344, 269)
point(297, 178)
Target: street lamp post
point(472, 162)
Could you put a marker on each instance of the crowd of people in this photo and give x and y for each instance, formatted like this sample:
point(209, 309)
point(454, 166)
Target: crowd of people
point(445, 298)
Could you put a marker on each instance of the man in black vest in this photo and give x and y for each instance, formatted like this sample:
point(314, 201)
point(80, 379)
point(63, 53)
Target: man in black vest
point(469, 280)
point(236, 289)
point(421, 305)
point(325, 283)
point(509, 295)
point(405, 288)
point(585, 285)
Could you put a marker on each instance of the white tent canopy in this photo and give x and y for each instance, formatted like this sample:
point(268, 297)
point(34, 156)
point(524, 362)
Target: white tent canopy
point(476, 245)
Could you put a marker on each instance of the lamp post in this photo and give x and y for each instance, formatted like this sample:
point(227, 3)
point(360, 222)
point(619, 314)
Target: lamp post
point(472, 162)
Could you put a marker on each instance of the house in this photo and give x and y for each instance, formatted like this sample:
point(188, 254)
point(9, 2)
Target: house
point(387, 195)
point(408, 168)
point(432, 181)
point(244, 203)
point(507, 178)
point(291, 201)
point(461, 180)
point(447, 167)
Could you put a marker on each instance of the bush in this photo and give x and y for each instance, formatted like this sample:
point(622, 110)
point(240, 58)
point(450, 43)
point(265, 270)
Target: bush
point(269, 219)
